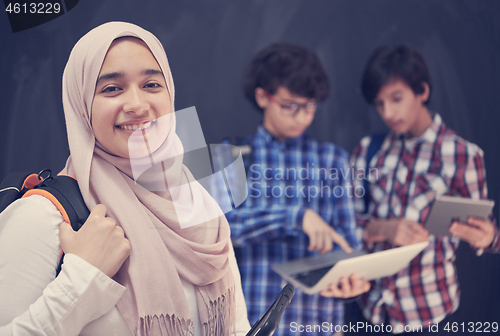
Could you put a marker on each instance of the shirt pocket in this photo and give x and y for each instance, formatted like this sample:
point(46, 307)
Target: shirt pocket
point(428, 187)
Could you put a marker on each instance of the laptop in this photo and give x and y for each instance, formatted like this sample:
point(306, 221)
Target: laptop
point(316, 273)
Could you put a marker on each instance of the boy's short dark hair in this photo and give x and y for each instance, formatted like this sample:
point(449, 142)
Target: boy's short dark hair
point(286, 65)
point(395, 63)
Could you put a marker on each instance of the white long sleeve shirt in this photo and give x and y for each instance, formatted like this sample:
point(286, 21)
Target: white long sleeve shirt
point(82, 299)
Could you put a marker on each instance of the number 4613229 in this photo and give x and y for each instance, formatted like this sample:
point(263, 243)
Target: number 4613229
point(471, 327)
point(33, 8)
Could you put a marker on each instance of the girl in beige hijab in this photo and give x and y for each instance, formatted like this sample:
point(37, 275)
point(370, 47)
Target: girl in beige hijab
point(131, 269)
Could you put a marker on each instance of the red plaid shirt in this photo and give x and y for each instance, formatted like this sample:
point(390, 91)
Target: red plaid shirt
point(410, 173)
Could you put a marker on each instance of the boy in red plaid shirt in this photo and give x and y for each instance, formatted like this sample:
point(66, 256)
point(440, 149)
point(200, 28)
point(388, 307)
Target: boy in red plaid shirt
point(419, 160)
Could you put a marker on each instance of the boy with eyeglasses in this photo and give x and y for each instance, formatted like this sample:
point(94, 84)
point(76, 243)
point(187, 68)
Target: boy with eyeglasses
point(299, 202)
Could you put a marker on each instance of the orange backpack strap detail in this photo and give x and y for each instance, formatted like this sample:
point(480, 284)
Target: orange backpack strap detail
point(31, 181)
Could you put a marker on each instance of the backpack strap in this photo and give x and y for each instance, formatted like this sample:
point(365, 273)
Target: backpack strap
point(62, 190)
point(11, 188)
point(376, 142)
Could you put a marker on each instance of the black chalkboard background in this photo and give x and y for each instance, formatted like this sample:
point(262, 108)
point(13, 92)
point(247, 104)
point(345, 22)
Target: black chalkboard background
point(210, 42)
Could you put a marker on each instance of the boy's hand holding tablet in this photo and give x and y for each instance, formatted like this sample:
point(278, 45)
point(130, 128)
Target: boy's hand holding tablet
point(478, 232)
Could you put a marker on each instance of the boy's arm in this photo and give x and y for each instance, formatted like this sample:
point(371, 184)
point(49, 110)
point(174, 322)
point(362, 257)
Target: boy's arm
point(252, 225)
point(481, 234)
point(254, 220)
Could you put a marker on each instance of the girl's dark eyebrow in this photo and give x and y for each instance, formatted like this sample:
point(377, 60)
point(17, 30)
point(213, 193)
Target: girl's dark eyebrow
point(110, 75)
point(152, 72)
point(113, 75)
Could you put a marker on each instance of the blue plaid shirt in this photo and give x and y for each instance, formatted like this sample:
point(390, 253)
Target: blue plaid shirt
point(284, 179)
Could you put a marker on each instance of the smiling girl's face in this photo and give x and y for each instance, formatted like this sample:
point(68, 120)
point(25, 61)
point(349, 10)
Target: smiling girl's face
point(130, 94)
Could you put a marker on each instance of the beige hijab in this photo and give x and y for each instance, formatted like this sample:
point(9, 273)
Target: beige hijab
point(162, 252)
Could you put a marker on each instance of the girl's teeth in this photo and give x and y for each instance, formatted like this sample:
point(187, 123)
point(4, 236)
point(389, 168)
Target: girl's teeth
point(136, 127)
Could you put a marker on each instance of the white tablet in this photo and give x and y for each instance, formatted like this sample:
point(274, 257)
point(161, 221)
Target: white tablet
point(313, 274)
point(446, 210)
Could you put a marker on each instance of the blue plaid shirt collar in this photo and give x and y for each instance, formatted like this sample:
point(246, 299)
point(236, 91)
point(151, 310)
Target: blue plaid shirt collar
point(266, 137)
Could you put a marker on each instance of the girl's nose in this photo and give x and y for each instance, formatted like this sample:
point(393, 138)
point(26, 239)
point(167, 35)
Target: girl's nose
point(136, 102)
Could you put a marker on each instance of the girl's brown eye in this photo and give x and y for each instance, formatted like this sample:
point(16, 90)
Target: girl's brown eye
point(153, 85)
point(110, 89)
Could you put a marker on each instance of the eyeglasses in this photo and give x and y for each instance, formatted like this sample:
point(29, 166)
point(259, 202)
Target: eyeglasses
point(291, 110)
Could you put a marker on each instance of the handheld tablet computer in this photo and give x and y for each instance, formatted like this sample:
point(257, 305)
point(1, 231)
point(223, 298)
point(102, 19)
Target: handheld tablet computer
point(448, 209)
point(268, 323)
